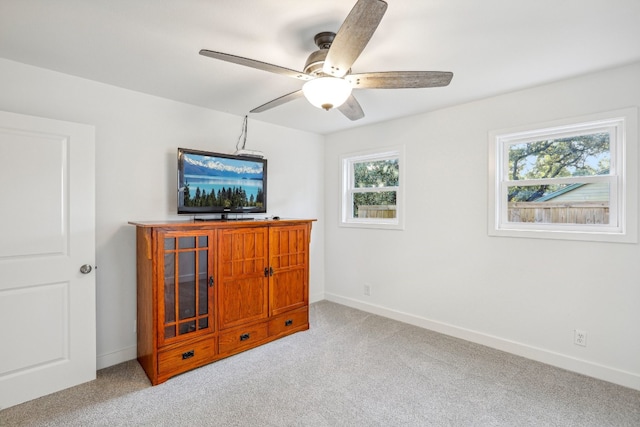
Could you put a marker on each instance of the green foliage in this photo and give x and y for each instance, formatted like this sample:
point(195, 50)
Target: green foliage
point(380, 173)
point(227, 197)
point(583, 155)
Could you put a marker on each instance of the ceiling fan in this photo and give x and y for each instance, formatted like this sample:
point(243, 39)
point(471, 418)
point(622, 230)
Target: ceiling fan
point(327, 72)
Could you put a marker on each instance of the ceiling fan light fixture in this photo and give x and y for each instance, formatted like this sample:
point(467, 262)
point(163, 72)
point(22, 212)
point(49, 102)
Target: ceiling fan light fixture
point(327, 92)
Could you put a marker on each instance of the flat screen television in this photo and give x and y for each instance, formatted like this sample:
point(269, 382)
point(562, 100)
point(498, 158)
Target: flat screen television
point(211, 183)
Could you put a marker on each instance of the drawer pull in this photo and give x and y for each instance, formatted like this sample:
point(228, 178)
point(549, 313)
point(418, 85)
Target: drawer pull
point(244, 337)
point(188, 354)
point(288, 322)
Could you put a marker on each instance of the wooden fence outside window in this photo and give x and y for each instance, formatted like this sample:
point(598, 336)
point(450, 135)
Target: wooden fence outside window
point(559, 212)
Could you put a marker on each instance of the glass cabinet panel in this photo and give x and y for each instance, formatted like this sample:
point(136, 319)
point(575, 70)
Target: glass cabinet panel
point(188, 285)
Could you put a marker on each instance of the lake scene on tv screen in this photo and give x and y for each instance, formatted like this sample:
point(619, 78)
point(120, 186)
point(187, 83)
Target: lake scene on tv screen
point(220, 181)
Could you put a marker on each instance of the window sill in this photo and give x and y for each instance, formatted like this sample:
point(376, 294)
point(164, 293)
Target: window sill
point(372, 225)
point(593, 236)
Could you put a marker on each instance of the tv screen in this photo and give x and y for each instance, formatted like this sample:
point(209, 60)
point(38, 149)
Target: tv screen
point(220, 183)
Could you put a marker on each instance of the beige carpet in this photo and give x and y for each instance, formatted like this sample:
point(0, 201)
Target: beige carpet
point(350, 369)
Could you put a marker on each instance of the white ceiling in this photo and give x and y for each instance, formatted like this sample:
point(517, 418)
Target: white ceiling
point(151, 46)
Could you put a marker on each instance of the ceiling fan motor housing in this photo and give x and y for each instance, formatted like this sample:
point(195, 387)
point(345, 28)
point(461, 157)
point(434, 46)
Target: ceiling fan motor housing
point(315, 61)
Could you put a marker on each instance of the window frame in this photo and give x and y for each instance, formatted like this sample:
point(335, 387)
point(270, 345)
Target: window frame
point(622, 178)
point(347, 162)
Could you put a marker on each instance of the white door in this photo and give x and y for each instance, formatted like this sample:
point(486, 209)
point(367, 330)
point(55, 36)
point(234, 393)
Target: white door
point(47, 232)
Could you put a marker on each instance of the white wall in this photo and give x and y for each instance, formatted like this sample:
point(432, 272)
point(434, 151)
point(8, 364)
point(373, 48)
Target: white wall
point(137, 136)
point(444, 272)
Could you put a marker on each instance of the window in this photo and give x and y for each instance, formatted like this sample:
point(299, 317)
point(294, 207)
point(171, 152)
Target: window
point(568, 181)
point(371, 189)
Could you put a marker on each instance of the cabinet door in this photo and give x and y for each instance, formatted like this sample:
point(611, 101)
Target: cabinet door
point(185, 285)
point(243, 284)
point(289, 252)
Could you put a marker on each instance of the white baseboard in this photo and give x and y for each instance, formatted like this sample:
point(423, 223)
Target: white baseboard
point(120, 356)
point(605, 373)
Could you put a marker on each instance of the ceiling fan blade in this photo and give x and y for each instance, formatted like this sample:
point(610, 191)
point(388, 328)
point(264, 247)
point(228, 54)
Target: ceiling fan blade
point(351, 109)
point(400, 79)
point(353, 35)
point(256, 64)
point(278, 101)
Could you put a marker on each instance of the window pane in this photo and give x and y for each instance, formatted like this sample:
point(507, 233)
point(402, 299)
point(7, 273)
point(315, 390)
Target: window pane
point(169, 287)
point(379, 173)
point(374, 205)
point(583, 155)
point(187, 286)
point(203, 323)
point(170, 331)
point(186, 327)
point(559, 204)
point(187, 242)
point(169, 243)
point(203, 283)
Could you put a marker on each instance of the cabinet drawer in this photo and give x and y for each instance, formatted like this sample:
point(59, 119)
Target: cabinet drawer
point(242, 337)
point(186, 357)
point(289, 321)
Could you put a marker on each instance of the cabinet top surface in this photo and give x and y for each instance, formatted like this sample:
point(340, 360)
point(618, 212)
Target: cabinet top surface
point(191, 223)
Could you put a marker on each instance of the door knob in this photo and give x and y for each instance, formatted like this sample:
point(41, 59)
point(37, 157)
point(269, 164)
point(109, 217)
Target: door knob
point(85, 269)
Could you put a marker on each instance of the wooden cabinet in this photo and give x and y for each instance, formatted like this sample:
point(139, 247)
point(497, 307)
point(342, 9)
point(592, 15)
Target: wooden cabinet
point(208, 290)
point(288, 268)
point(243, 285)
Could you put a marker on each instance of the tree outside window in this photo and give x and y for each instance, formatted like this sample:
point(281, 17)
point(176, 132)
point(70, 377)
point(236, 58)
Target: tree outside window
point(581, 155)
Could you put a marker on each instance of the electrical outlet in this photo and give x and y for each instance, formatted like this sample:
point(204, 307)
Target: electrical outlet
point(580, 337)
point(367, 289)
